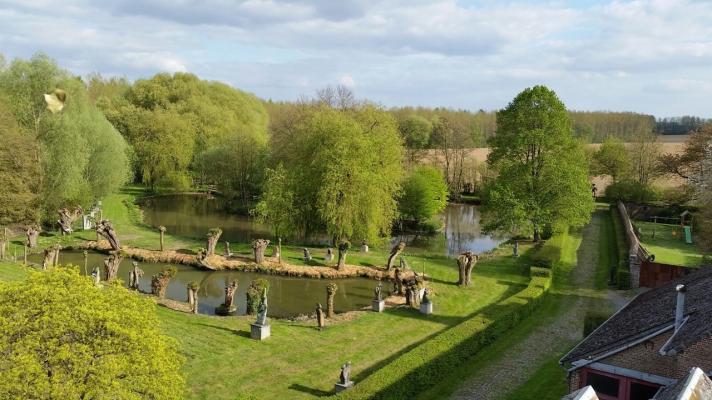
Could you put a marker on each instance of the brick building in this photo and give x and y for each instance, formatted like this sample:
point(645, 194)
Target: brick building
point(651, 343)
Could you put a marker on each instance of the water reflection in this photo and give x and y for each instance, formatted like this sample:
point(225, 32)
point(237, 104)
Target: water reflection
point(194, 215)
point(287, 296)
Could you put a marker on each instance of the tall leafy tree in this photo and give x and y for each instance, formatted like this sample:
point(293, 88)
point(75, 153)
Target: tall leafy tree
point(611, 159)
point(82, 156)
point(542, 172)
point(424, 194)
point(276, 206)
point(19, 170)
point(345, 170)
point(65, 338)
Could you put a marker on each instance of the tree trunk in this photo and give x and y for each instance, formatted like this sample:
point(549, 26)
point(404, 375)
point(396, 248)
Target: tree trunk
point(32, 233)
point(67, 218)
point(461, 266)
point(399, 282)
point(258, 249)
point(3, 246)
point(105, 229)
point(111, 266)
point(465, 263)
point(330, 293)
point(51, 256)
point(395, 251)
point(193, 299)
point(343, 249)
point(468, 271)
point(213, 237)
point(134, 276)
point(228, 253)
point(537, 235)
point(279, 250)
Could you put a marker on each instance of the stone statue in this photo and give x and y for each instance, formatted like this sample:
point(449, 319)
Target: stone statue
point(307, 255)
point(364, 247)
point(516, 249)
point(320, 321)
point(329, 255)
point(345, 376)
point(262, 311)
point(377, 291)
point(426, 299)
point(162, 232)
point(96, 276)
point(134, 276)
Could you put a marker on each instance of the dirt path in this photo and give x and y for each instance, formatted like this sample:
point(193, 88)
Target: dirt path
point(519, 362)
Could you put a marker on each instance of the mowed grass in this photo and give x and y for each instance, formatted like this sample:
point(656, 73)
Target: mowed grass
point(299, 361)
point(669, 245)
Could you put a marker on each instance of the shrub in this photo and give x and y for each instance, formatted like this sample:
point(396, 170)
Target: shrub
point(631, 192)
point(432, 361)
point(254, 295)
point(64, 338)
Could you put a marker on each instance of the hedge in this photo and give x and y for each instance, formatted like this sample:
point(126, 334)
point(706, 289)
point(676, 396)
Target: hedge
point(622, 273)
point(549, 253)
point(428, 364)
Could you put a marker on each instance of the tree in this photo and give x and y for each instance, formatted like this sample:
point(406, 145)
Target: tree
point(81, 155)
point(542, 171)
point(18, 172)
point(344, 170)
point(276, 205)
point(424, 194)
point(644, 152)
point(611, 159)
point(101, 342)
point(690, 164)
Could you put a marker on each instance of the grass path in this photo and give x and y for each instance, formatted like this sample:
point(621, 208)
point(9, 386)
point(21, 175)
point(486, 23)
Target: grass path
point(530, 353)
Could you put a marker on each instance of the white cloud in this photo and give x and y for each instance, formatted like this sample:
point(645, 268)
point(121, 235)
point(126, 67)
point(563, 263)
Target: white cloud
point(634, 55)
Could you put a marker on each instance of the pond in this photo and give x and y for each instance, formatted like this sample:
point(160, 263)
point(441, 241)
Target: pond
point(193, 215)
point(288, 297)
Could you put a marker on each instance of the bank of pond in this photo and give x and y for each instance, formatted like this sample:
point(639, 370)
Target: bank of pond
point(288, 297)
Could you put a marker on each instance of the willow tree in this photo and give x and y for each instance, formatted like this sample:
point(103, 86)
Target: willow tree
point(345, 171)
point(81, 156)
point(542, 171)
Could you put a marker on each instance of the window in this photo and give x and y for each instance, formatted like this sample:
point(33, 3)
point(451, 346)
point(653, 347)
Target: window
point(640, 391)
point(603, 384)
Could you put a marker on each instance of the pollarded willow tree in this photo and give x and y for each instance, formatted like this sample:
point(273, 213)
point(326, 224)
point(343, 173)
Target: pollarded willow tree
point(102, 342)
point(542, 171)
point(344, 170)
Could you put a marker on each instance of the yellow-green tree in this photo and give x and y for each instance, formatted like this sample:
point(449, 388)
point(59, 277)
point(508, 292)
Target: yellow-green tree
point(424, 194)
point(64, 338)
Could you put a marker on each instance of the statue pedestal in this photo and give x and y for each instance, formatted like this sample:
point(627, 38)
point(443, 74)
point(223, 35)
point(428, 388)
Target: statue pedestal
point(260, 332)
point(224, 311)
point(426, 308)
point(378, 305)
point(340, 387)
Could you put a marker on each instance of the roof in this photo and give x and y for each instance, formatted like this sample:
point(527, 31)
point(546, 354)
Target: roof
point(585, 393)
point(651, 312)
point(696, 385)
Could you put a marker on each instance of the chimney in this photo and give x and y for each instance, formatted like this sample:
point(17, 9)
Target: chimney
point(680, 308)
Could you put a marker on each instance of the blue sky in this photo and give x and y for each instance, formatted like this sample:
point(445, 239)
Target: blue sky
point(645, 56)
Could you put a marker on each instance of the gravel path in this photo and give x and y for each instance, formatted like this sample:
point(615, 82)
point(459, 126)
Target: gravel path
point(519, 362)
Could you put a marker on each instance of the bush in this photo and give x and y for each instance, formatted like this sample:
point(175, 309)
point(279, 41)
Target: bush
point(541, 272)
point(431, 362)
point(547, 232)
point(549, 253)
point(64, 338)
point(623, 278)
point(629, 191)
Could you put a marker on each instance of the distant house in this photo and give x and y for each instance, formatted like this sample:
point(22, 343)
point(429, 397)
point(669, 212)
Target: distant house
point(652, 342)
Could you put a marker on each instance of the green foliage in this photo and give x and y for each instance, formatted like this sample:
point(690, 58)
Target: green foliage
point(611, 159)
point(171, 120)
point(276, 205)
point(19, 169)
point(548, 254)
point(254, 294)
point(344, 169)
point(631, 191)
point(432, 361)
point(415, 131)
point(424, 194)
point(82, 157)
point(65, 338)
point(542, 171)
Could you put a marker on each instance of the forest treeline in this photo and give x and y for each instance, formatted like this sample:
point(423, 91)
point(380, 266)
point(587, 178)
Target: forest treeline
point(328, 163)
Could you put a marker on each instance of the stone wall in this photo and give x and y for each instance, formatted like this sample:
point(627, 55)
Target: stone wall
point(635, 250)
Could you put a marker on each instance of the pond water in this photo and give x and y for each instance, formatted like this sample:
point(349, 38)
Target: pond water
point(288, 297)
point(193, 215)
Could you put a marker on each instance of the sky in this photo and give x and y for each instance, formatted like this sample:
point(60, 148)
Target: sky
point(653, 57)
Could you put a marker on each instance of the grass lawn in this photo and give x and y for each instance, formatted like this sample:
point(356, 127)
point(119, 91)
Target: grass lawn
point(669, 245)
point(298, 361)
